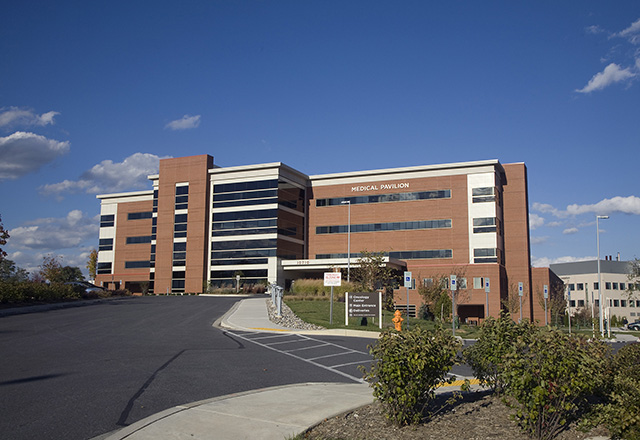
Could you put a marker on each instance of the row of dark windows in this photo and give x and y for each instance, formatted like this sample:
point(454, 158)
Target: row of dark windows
point(379, 227)
point(385, 198)
point(105, 244)
point(239, 261)
point(139, 240)
point(231, 274)
point(245, 215)
point(400, 255)
point(139, 215)
point(245, 186)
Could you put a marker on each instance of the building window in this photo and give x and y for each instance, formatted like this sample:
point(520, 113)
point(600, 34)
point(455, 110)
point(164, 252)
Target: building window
point(139, 215)
point(386, 198)
point(615, 286)
point(580, 286)
point(107, 221)
point(623, 303)
point(481, 195)
point(580, 303)
point(105, 244)
point(607, 286)
point(427, 282)
point(103, 268)
point(137, 264)
point(595, 286)
point(381, 227)
point(572, 303)
point(485, 255)
point(616, 303)
point(484, 224)
point(478, 283)
point(144, 239)
point(572, 287)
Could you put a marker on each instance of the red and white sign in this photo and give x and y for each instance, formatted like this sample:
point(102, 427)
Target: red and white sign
point(332, 278)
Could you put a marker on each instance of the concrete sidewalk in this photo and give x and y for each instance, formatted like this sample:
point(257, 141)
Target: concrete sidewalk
point(271, 414)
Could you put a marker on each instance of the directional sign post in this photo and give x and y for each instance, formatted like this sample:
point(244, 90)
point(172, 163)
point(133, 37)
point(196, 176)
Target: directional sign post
point(407, 285)
point(520, 293)
point(362, 305)
point(332, 279)
point(546, 297)
point(454, 286)
point(487, 289)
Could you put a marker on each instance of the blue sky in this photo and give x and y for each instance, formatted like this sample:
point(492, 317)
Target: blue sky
point(92, 94)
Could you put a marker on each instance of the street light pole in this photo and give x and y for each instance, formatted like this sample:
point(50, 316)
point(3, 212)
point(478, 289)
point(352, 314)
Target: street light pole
point(600, 296)
point(348, 202)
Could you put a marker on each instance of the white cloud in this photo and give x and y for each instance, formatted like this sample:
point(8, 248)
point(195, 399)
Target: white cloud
point(632, 33)
point(545, 261)
point(570, 231)
point(185, 123)
point(539, 240)
point(535, 221)
point(595, 29)
point(624, 205)
point(48, 234)
point(14, 116)
point(611, 74)
point(22, 153)
point(108, 176)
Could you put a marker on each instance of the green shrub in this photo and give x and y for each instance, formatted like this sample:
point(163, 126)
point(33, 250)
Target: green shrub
point(27, 291)
point(496, 339)
point(408, 367)
point(620, 413)
point(550, 379)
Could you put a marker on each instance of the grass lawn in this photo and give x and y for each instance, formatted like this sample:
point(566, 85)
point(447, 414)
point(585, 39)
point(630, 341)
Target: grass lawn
point(317, 312)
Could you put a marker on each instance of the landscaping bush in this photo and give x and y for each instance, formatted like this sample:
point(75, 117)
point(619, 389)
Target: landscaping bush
point(620, 413)
point(408, 367)
point(496, 339)
point(27, 291)
point(550, 379)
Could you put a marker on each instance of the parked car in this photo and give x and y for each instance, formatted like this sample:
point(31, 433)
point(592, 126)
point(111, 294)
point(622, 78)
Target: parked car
point(634, 326)
point(86, 287)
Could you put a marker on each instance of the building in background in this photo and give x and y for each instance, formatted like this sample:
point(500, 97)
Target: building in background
point(621, 298)
point(203, 226)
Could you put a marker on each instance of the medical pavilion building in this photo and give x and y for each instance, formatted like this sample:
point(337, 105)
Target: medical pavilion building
point(202, 225)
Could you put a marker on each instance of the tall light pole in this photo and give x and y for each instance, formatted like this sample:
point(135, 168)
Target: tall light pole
point(600, 296)
point(348, 202)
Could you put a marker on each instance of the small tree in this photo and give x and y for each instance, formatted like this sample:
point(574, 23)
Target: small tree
point(371, 272)
point(51, 269)
point(4, 235)
point(10, 272)
point(92, 264)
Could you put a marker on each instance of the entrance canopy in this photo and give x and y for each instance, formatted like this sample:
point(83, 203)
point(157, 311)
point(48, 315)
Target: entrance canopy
point(315, 268)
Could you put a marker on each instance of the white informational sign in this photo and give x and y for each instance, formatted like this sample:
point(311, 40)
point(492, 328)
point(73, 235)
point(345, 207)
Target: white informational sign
point(407, 279)
point(487, 287)
point(332, 278)
point(520, 289)
point(454, 285)
point(546, 292)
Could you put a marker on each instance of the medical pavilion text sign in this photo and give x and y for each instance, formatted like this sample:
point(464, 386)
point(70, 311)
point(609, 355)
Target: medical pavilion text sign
point(380, 186)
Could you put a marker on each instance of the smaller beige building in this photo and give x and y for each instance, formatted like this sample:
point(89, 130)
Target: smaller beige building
point(621, 297)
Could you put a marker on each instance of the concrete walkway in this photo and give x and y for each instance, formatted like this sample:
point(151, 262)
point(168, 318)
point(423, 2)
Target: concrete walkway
point(271, 414)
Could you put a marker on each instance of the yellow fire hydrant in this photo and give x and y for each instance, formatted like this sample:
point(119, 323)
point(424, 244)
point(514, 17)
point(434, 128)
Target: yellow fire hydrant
point(397, 320)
